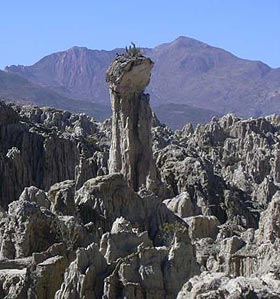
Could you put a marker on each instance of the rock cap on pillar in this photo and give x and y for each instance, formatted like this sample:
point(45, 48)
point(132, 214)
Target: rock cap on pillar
point(129, 74)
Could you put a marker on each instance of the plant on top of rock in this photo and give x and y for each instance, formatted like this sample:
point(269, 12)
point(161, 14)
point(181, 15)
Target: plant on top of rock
point(132, 51)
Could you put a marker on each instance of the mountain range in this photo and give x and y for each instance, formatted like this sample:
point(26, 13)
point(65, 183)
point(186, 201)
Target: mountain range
point(191, 82)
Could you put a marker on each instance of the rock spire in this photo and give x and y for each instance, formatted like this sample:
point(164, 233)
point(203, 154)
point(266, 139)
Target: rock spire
point(131, 146)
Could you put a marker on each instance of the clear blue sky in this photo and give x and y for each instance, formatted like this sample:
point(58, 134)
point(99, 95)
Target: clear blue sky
point(31, 29)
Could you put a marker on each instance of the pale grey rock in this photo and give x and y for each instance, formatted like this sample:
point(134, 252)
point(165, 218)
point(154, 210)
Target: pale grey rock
point(207, 251)
point(203, 227)
point(105, 198)
point(184, 134)
point(265, 191)
point(229, 167)
point(182, 205)
point(153, 272)
point(91, 167)
point(181, 264)
point(162, 137)
point(61, 196)
point(138, 276)
point(252, 253)
point(12, 284)
point(210, 202)
point(122, 244)
point(218, 285)
point(131, 144)
point(84, 277)
point(121, 225)
point(40, 148)
point(36, 195)
point(72, 233)
point(270, 221)
point(228, 248)
point(26, 229)
point(48, 277)
point(13, 153)
point(129, 74)
point(123, 240)
point(75, 124)
point(57, 249)
point(253, 260)
point(33, 164)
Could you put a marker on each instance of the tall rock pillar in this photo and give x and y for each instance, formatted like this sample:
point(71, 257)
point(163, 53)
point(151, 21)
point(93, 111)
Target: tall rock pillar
point(131, 145)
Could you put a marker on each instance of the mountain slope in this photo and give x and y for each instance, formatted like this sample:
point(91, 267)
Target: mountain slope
point(190, 72)
point(186, 72)
point(77, 73)
point(177, 115)
point(18, 89)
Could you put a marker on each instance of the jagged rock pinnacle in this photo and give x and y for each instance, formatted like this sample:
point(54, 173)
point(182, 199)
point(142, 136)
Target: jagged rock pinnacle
point(131, 146)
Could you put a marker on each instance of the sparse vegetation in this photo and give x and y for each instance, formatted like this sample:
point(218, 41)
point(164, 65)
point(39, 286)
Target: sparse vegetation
point(69, 130)
point(92, 140)
point(132, 50)
point(168, 230)
point(67, 232)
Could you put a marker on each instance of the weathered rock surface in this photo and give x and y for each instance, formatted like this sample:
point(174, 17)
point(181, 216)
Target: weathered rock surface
point(105, 198)
point(40, 147)
point(203, 227)
point(26, 229)
point(182, 205)
point(269, 229)
point(84, 277)
point(36, 195)
point(62, 198)
point(131, 145)
point(152, 272)
point(218, 285)
point(12, 283)
point(122, 241)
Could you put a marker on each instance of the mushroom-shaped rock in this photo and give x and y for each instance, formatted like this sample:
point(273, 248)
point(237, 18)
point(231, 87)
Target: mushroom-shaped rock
point(128, 75)
point(131, 146)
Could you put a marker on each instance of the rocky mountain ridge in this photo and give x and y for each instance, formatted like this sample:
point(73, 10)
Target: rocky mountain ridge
point(186, 72)
point(79, 221)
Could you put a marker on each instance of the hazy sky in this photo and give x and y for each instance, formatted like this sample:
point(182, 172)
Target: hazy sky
point(31, 29)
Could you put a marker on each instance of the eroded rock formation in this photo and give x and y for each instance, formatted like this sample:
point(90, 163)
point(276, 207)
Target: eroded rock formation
point(42, 146)
point(131, 145)
point(70, 230)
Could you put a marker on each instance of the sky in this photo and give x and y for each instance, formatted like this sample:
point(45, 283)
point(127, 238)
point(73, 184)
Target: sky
point(30, 30)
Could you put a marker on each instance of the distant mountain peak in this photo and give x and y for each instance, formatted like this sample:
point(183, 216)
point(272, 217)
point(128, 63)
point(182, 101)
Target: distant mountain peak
point(188, 41)
point(77, 49)
point(182, 42)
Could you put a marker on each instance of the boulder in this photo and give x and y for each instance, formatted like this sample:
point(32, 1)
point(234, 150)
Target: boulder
point(36, 195)
point(103, 199)
point(203, 227)
point(182, 205)
point(62, 196)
